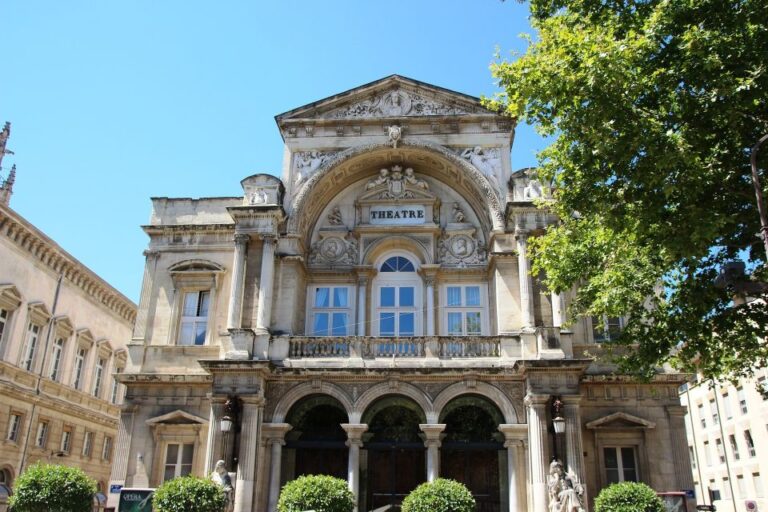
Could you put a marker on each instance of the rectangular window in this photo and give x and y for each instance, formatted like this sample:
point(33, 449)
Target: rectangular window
point(750, 443)
point(620, 465)
point(178, 460)
point(741, 485)
point(399, 315)
point(87, 444)
point(463, 310)
point(56, 353)
point(115, 386)
point(606, 328)
point(14, 425)
point(41, 439)
point(734, 446)
point(66, 440)
point(713, 410)
point(720, 450)
point(98, 376)
point(727, 406)
point(742, 399)
point(692, 456)
point(30, 346)
point(701, 416)
point(3, 322)
point(726, 488)
point(757, 483)
point(77, 376)
point(707, 453)
point(106, 451)
point(331, 311)
point(194, 318)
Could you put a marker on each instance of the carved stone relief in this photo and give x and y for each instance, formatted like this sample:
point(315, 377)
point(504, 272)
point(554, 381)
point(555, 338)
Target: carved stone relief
point(398, 103)
point(488, 162)
point(307, 162)
point(334, 250)
point(461, 249)
point(397, 183)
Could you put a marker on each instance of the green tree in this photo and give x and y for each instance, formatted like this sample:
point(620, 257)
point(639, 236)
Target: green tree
point(628, 497)
point(441, 495)
point(320, 493)
point(189, 494)
point(652, 106)
point(53, 488)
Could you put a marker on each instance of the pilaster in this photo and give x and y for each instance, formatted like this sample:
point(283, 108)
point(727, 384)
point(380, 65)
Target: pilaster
point(354, 432)
point(433, 435)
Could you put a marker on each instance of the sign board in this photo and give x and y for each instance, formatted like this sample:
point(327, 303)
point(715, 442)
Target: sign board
point(690, 493)
point(405, 215)
point(706, 508)
point(115, 488)
point(135, 500)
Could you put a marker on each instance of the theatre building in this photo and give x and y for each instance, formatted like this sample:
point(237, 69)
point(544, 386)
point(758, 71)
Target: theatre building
point(371, 315)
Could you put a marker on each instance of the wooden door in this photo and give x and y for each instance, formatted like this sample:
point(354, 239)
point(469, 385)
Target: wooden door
point(392, 474)
point(322, 461)
point(478, 470)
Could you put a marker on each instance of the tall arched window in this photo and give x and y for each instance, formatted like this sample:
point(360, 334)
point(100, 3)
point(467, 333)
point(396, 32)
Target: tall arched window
point(397, 298)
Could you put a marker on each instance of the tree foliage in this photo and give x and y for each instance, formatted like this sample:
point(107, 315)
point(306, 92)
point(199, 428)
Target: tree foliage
point(320, 493)
point(53, 488)
point(441, 495)
point(189, 494)
point(653, 106)
point(628, 497)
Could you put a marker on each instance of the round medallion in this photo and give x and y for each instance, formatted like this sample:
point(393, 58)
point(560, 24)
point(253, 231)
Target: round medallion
point(396, 103)
point(462, 246)
point(332, 248)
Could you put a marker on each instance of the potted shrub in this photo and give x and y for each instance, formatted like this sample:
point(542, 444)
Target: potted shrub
point(53, 488)
point(189, 494)
point(320, 493)
point(442, 495)
point(628, 497)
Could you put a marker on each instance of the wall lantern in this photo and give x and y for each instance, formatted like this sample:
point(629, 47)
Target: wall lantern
point(558, 422)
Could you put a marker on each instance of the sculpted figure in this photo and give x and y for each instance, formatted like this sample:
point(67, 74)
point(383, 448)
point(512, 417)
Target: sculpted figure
point(222, 479)
point(395, 134)
point(411, 179)
point(458, 213)
point(532, 190)
point(334, 218)
point(564, 490)
point(382, 178)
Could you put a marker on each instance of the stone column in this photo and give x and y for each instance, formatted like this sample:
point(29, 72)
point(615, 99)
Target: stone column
point(430, 282)
point(537, 441)
point(354, 432)
point(557, 309)
point(574, 453)
point(214, 452)
point(140, 326)
point(238, 277)
point(275, 435)
point(526, 283)
point(250, 426)
point(679, 442)
point(123, 446)
point(515, 435)
point(266, 283)
point(433, 434)
point(362, 292)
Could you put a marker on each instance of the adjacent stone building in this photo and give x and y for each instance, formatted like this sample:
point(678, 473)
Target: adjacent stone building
point(372, 315)
point(62, 336)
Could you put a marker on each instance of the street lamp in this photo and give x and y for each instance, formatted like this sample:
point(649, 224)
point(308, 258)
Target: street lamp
point(558, 422)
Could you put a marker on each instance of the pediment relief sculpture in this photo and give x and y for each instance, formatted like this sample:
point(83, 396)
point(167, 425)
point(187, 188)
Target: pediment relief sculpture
point(461, 250)
point(262, 190)
point(334, 250)
point(398, 103)
point(488, 162)
point(395, 183)
point(306, 163)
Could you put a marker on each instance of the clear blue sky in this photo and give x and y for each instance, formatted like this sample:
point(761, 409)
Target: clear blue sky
point(112, 102)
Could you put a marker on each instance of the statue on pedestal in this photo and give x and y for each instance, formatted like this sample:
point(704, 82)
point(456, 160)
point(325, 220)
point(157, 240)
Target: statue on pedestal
point(565, 490)
point(221, 477)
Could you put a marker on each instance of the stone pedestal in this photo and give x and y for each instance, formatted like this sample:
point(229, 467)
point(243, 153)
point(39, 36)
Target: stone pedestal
point(239, 345)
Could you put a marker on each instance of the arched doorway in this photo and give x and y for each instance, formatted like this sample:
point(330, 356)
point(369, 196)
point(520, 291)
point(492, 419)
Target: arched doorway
point(394, 450)
point(472, 450)
point(316, 444)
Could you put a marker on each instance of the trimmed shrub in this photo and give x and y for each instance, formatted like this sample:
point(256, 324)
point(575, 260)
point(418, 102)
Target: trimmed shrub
point(189, 494)
point(320, 493)
point(628, 497)
point(442, 495)
point(54, 488)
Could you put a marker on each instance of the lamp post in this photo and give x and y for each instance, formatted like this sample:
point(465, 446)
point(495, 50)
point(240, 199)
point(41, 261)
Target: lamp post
point(229, 424)
point(558, 422)
point(759, 194)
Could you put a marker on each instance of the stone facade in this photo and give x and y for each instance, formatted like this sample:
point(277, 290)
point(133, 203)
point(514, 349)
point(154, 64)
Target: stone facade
point(62, 338)
point(372, 315)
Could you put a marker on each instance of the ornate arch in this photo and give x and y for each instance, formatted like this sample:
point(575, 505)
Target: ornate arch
point(484, 389)
point(386, 388)
point(404, 242)
point(306, 389)
point(305, 208)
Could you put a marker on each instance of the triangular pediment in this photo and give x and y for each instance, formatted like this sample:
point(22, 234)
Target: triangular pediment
point(392, 97)
point(620, 421)
point(177, 417)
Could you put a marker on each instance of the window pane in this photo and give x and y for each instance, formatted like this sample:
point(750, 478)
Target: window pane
point(454, 323)
point(387, 324)
point(611, 461)
point(321, 297)
point(598, 329)
point(387, 297)
point(169, 473)
point(473, 295)
point(628, 464)
point(187, 332)
point(205, 301)
point(321, 324)
point(612, 475)
point(186, 456)
point(339, 324)
point(454, 296)
point(614, 327)
point(340, 298)
point(172, 454)
point(200, 334)
point(190, 304)
point(406, 296)
point(403, 265)
point(473, 322)
point(390, 265)
point(406, 324)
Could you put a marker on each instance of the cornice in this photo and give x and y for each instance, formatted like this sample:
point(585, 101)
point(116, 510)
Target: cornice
point(27, 238)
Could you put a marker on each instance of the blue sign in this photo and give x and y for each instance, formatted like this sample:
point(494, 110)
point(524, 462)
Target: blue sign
point(689, 493)
point(115, 488)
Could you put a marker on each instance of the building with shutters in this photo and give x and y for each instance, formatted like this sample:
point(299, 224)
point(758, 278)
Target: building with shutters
point(371, 315)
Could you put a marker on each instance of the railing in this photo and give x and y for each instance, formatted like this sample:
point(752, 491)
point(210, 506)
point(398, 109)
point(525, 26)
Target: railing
point(393, 347)
point(319, 347)
point(457, 347)
point(449, 347)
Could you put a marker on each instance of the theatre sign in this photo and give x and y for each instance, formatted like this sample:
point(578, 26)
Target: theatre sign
point(406, 215)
